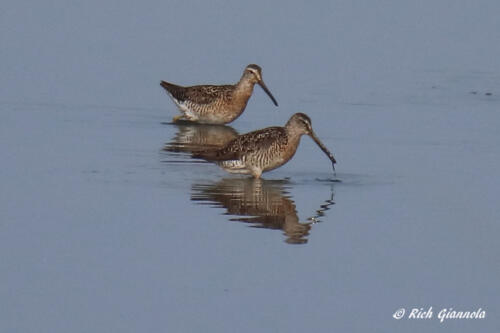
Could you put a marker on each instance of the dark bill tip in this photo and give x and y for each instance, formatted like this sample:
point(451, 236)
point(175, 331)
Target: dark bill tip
point(264, 87)
point(324, 149)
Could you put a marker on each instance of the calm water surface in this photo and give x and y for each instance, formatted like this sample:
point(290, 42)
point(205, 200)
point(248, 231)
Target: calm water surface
point(108, 225)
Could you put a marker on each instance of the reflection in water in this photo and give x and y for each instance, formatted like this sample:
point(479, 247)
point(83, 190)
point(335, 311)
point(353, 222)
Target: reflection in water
point(263, 203)
point(192, 137)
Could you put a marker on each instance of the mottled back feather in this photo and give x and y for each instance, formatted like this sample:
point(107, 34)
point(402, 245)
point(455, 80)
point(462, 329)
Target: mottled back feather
point(246, 144)
point(204, 94)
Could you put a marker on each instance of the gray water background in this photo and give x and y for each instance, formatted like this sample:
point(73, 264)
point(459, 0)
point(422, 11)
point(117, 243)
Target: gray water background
point(103, 231)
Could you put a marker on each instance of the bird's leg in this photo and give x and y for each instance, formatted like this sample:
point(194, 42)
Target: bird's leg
point(256, 172)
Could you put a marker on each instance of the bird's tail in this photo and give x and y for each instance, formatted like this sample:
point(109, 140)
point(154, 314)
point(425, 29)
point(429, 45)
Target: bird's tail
point(167, 86)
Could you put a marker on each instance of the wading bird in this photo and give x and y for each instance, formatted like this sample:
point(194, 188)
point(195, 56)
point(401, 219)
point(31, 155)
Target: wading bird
point(211, 104)
point(264, 150)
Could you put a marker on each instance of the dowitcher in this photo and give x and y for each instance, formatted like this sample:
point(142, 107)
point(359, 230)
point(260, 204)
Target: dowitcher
point(266, 149)
point(212, 104)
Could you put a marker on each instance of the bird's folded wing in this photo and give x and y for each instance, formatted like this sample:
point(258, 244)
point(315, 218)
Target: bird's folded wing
point(245, 144)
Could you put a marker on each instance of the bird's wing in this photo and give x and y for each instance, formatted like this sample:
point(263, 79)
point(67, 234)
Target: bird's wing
point(208, 94)
point(246, 143)
point(204, 94)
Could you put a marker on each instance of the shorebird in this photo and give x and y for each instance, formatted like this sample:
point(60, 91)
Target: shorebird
point(266, 149)
point(212, 104)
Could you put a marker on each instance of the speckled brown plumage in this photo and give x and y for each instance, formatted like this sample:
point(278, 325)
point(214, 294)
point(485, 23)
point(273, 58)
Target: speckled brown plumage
point(271, 138)
point(264, 150)
point(216, 104)
point(204, 94)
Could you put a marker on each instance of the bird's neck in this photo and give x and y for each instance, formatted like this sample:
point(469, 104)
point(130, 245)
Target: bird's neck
point(294, 136)
point(288, 150)
point(293, 132)
point(244, 87)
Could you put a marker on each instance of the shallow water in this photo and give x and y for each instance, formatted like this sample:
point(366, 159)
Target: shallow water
point(108, 224)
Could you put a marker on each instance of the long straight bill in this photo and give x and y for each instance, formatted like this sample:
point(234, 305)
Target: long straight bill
point(263, 85)
point(324, 149)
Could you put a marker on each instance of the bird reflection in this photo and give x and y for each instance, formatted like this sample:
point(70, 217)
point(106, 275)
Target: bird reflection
point(262, 203)
point(192, 137)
